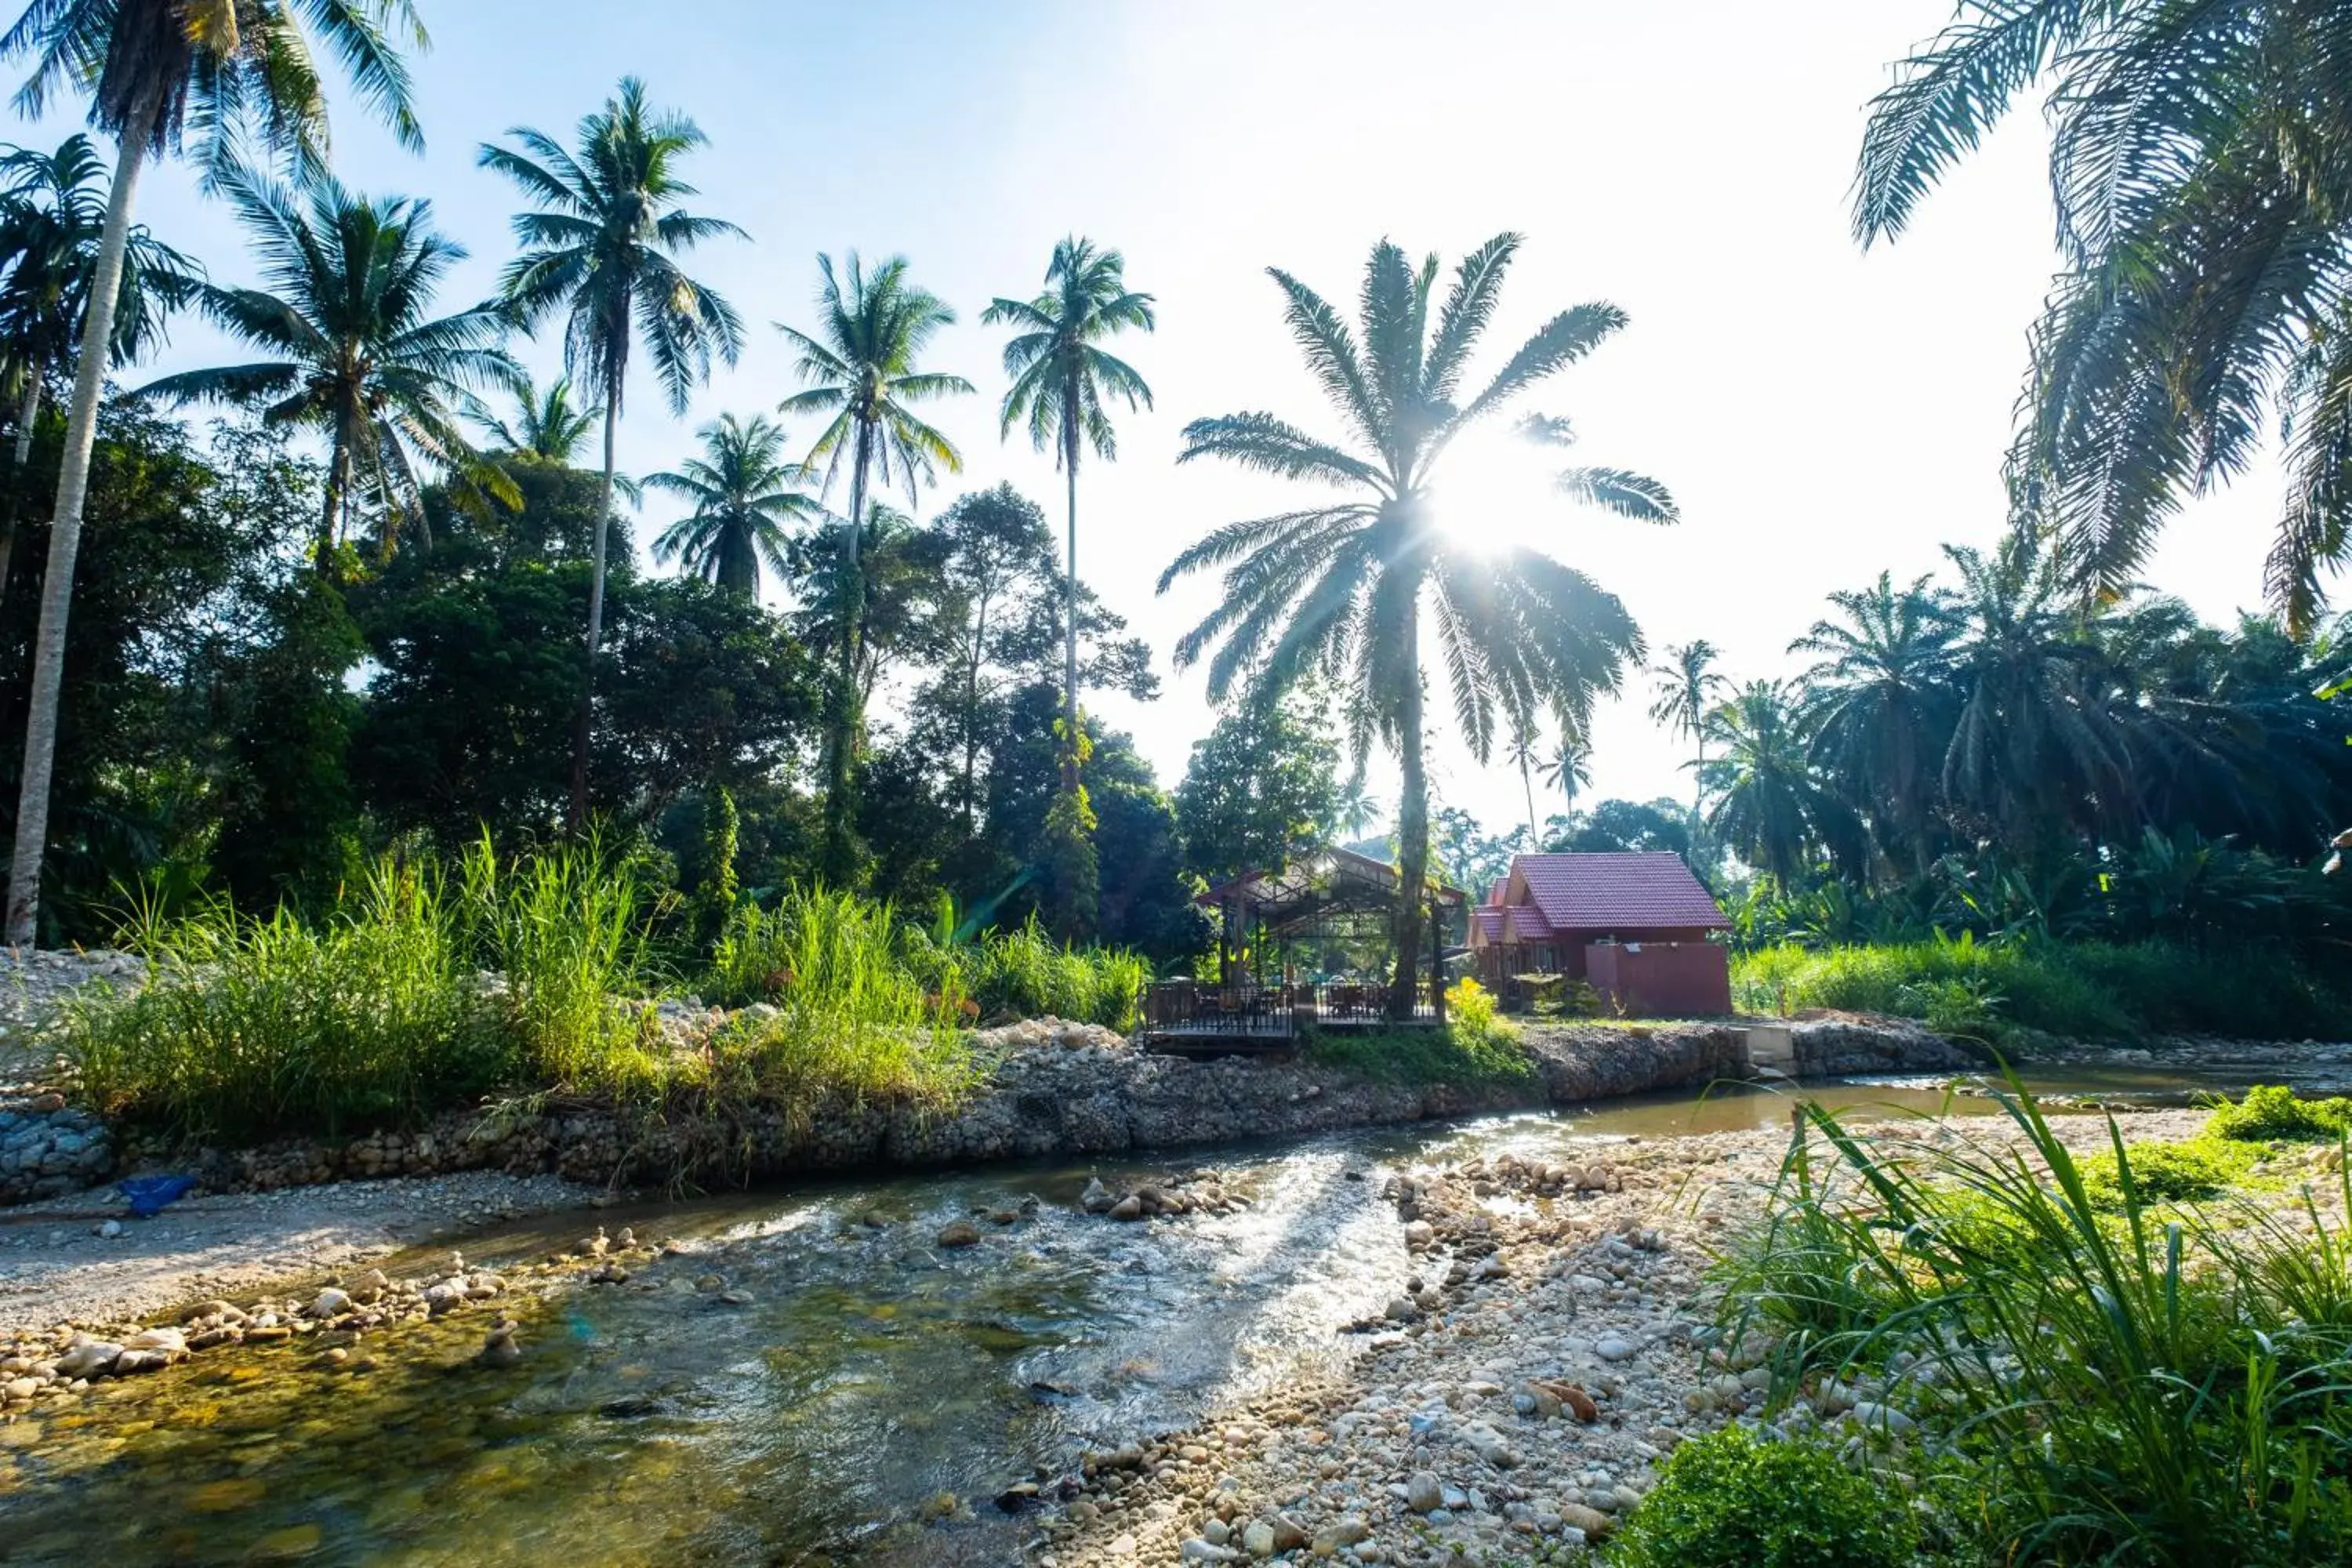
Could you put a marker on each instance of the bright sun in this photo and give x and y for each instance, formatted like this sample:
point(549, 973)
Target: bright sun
point(1494, 491)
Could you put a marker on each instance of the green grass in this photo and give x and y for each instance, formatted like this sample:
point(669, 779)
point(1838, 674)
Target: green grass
point(1466, 1054)
point(2082, 990)
point(2122, 1374)
point(425, 988)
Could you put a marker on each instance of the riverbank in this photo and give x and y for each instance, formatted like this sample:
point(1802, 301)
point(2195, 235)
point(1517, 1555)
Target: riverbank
point(1556, 1344)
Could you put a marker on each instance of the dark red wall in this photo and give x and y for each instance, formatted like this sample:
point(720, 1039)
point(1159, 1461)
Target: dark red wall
point(1661, 979)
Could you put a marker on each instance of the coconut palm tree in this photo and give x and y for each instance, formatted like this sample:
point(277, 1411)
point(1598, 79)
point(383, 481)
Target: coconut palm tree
point(1686, 687)
point(603, 247)
point(1519, 751)
point(1062, 382)
point(859, 367)
point(547, 425)
point(353, 353)
point(2200, 158)
point(1879, 703)
point(1338, 586)
point(1569, 773)
point(52, 217)
point(744, 494)
point(243, 73)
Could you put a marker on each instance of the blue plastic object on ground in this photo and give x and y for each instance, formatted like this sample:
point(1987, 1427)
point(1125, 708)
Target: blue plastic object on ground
point(149, 1194)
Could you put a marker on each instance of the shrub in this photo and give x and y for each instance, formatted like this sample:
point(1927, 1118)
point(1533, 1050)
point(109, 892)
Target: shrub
point(2273, 1111)
point(2167, 1172)
point(1726, 1500)
point(1024, 972)
point(1470, 1006)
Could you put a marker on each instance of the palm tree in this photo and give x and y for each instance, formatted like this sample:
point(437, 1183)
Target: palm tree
point(1569, 771)
point(548, 425)
point(2033, 742)
point(1519, 751)
point(743, 488)
point(603, 247)
point(1061, 382)
point(52, 217)
point(1770, 805)
point(1358, 808)
point(354, 354)
point(1879, 701)
point(1686, 689)
point(1338, 587)
point(243, 71)
point(860, 370)
point(2198, 161)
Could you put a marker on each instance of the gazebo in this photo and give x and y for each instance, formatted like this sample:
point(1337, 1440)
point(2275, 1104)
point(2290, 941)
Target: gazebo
point(1307, 944)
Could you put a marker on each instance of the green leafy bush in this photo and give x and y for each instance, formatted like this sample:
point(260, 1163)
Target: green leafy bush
point(1727, 1500)
point(1470, 1006)
point(2087, 990)
point(2273, 1111)
point(2167, 1172)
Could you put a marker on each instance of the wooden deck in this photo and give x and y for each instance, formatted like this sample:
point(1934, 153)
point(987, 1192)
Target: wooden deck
point(1192, 1019)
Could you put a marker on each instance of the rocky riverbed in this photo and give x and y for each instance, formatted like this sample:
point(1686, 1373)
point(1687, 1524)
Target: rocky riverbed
point(1553, 1346)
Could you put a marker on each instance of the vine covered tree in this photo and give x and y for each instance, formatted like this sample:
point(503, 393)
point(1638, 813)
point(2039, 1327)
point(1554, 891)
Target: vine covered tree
point(355, 357)
point(1338, 588)
point(603, 247)
point(860, 373)
point(243, 73)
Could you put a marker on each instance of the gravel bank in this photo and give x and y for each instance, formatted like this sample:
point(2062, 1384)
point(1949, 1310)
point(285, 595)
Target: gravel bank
point(1513, 1406)
point(56, 1268)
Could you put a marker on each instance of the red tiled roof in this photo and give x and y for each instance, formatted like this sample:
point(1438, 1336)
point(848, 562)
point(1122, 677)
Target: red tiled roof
point(1616, 891)
point(1490, 923)
point(1528, 924)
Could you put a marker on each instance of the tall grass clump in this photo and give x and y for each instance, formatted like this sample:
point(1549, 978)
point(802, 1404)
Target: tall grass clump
point(2120, 1378)
point(2087, 990)
point(564, 930)
point(1024, 972)
point(251, 1028)
point(844, 1005)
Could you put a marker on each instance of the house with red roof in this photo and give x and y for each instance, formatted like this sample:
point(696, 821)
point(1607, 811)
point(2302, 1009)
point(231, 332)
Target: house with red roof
point(1638, 927)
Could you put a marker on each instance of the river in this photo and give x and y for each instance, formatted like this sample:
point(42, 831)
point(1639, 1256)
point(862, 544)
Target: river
point(807, 1372)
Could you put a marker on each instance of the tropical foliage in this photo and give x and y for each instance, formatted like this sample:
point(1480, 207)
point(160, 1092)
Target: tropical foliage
point(742, 490)
point(2200, 158)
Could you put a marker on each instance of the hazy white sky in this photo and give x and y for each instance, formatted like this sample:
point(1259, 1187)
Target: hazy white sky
point(1818, 413)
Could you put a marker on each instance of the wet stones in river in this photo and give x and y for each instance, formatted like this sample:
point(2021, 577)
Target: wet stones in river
point(500, 1346)
point(960, 1233)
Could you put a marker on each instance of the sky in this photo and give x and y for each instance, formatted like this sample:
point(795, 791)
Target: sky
point(1820, 413)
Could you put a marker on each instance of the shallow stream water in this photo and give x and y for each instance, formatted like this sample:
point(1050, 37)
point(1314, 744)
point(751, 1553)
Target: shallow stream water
point(861, 1378)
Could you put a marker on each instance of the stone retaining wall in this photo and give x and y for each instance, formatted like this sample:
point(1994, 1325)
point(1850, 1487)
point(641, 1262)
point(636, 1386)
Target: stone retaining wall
point(47, 1150)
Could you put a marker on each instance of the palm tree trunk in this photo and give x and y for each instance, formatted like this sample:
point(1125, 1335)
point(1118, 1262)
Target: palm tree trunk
point(1528, 783)
point(25, 416)
point(339, 479)
point(972, 712)
point(1070, 610)
point(65, 532)
point(575, 814)
point(1413, 820)
point(840, 855)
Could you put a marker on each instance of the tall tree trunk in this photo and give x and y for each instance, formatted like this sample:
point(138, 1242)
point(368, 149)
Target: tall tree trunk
point(1528, 783)
point(25, 416)
point(840, 860)
point(64, 534)
point(576, 815)
point(1070, 611)
point(1412, 819)
point(339, 480)
point(971, 709)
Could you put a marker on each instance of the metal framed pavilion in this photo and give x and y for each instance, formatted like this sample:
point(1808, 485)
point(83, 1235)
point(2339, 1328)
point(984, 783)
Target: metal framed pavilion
point(1308, 946)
